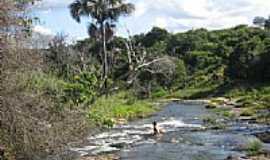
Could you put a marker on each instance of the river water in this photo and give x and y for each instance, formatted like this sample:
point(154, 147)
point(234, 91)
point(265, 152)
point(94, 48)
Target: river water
point(185, 138)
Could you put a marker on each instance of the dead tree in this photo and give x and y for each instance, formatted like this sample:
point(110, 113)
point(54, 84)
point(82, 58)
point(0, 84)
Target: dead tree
point(139, 61)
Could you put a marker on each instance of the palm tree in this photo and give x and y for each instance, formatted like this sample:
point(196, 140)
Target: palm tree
point(103, 15)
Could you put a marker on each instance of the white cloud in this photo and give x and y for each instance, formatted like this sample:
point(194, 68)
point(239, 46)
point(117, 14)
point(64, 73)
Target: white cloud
point(174, 15)
point(50, 4)
point(160, 22)
point(42, 30)
point(200, 8)
point(140, 9)
point(179, 15)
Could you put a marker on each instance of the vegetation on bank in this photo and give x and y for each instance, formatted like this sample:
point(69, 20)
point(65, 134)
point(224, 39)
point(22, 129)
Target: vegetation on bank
point(250, 101)
point(51, 95)
point(119, 108)
point(103, 111)
point(254, 147)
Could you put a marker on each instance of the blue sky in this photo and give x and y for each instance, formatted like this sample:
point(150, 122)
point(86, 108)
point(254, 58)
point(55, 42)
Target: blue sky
point(174, 15)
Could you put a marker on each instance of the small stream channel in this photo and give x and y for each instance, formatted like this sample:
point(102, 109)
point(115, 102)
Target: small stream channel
point(186, 137)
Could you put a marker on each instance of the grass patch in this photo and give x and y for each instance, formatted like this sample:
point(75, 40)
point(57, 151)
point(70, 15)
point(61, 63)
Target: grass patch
point(254, 99)
point(193, 93)
point(248, 112)
point(229, 114)
point(225, 112)
point(213, 122)
point(105, 112)
point(41, 82)
point(159, 93)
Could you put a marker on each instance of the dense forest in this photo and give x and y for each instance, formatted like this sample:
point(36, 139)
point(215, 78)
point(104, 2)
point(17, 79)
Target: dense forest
point(54, 95)
point(159, 60)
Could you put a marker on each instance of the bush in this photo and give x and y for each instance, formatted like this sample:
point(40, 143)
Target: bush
point(159, 93)
point(32, 125)
point(229, 114)
point(254, 147)
point(82, 89)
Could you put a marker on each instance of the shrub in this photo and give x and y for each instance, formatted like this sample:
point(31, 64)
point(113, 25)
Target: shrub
point(229, 114)
point(82, 89)
point(159, 93)
point(254, 147)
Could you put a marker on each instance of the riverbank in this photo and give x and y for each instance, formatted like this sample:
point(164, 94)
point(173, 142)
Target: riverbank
point(232, 101)
point(119, 109)
point(246, 104)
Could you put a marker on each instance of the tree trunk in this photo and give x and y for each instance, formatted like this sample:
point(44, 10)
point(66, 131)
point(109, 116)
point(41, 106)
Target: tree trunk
point(105, 65)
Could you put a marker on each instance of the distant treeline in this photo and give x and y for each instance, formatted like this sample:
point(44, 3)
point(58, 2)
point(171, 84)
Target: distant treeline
point(235, 55)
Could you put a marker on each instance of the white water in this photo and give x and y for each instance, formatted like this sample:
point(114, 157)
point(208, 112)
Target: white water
point(128, 135)
point(184, 137)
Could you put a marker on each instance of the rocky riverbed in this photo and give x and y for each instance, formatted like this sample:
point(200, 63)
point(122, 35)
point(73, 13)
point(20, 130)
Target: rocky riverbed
point(187, 137)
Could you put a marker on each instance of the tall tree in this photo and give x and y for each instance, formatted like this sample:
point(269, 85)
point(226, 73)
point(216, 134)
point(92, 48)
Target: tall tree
point(103, 15)
point(262, 22)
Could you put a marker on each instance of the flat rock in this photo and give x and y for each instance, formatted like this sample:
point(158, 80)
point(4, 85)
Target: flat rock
point(101, 157)
point(246, 118)
point(237, 158)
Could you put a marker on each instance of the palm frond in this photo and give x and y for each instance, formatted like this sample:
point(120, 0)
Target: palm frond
point(109, 28)
point(76, 10)
point(93, 30)
point(121, 9)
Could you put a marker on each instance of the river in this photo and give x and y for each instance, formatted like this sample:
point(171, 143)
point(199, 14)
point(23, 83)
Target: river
point(186, 137)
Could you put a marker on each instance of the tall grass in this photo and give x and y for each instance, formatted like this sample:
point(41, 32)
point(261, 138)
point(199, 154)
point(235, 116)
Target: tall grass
point(123, 105)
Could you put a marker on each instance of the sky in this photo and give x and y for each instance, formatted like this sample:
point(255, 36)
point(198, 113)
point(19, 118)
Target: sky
point(173, 15)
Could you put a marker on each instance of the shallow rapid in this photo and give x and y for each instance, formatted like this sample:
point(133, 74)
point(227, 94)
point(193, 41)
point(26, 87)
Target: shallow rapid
point(186, 137)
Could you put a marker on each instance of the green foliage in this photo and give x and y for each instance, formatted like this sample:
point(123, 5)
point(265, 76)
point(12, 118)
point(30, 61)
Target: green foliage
point(225, 112)
point(254, 147)
point(158, 93)
point(180, 74)
point(43, 82)
point(154, 37)
point(213, 123)
point(229, 114)
point(103, 16)
point(106, 111)
point(201, 58)
point(247, 112)
point(193, 93)
point(82, 89)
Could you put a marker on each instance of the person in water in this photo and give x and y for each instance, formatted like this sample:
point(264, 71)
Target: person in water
point(156, 129)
